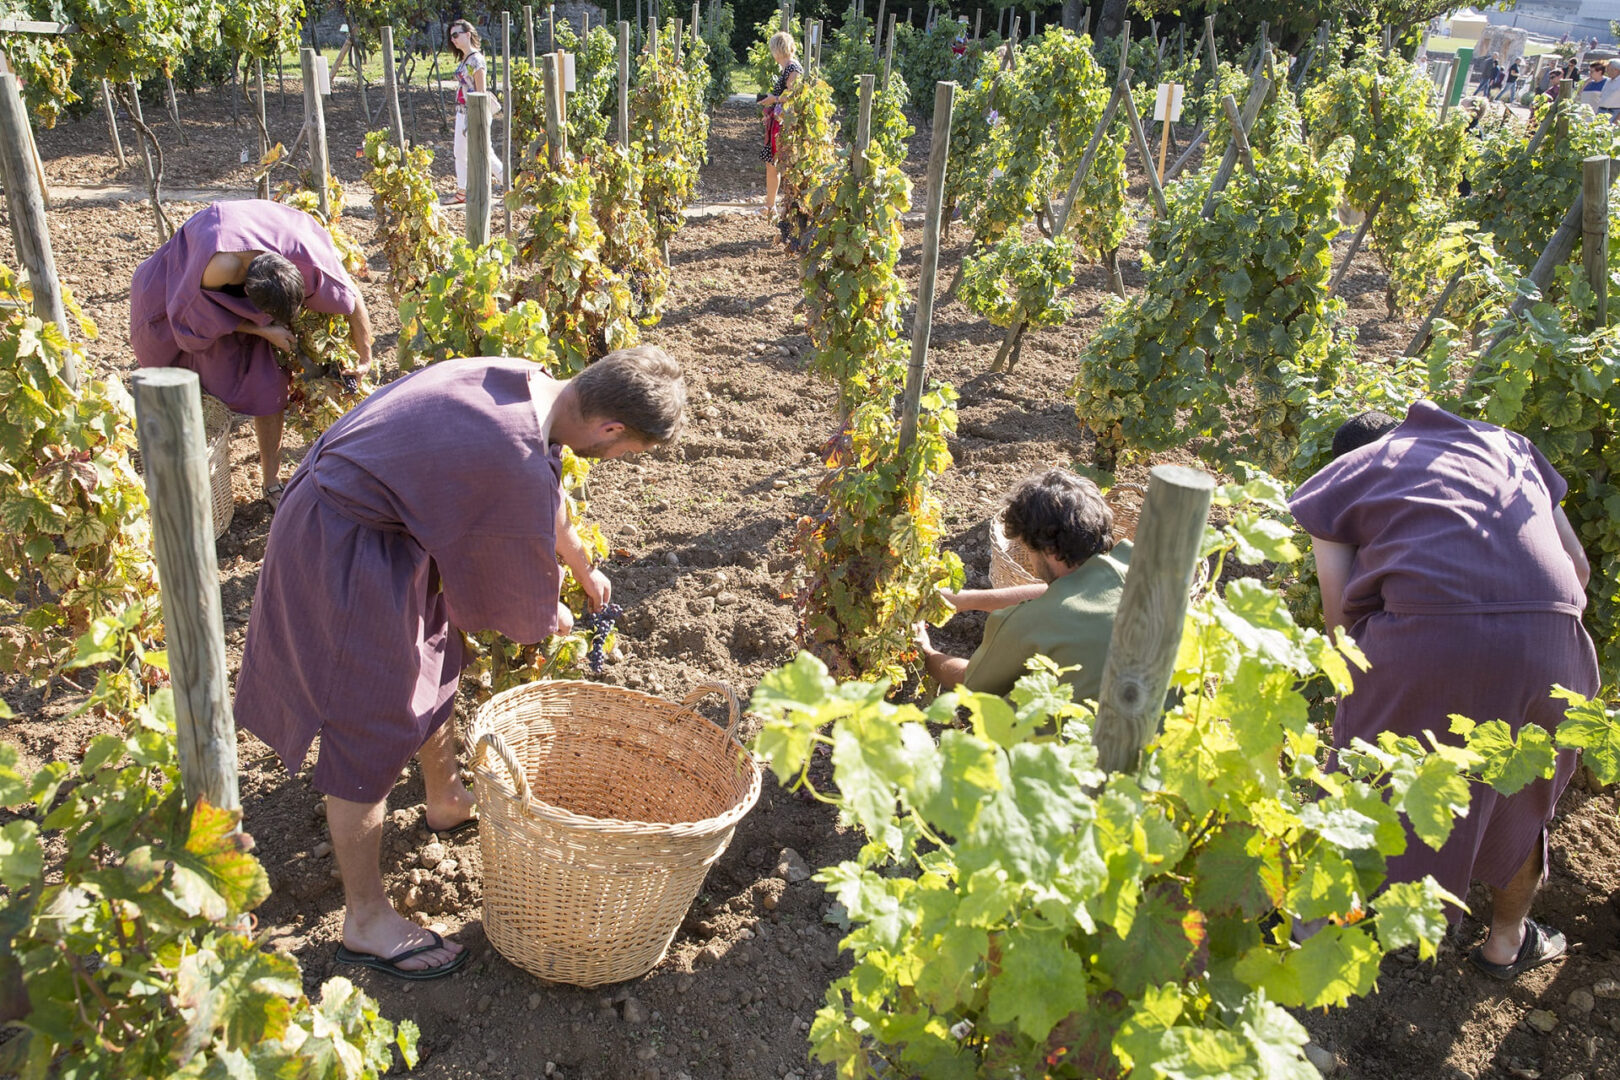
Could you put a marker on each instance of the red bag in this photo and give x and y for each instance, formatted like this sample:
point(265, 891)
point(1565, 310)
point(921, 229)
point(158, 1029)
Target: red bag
point(773, 128)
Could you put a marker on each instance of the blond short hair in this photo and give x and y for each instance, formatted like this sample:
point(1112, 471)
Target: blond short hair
point(782, 44)
point(640, 387)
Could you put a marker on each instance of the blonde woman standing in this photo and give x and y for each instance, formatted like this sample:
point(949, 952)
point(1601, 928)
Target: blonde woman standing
point(782, 51)
point(470, 79)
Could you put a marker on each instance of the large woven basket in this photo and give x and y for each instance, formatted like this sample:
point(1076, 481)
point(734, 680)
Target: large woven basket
point(1013, 563)
point(601, 811)
point(217, 424)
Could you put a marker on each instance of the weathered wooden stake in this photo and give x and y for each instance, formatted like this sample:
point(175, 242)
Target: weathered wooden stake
point(888, 53)
point(1134, 121)
point(528, 32)
point(506, 115)
point(1147, 630)
point(1209, 43)
point(624, 83)
point(863, 127)
point(1355, 245)
point(480, 151)
point(112, 124)
point(315, 118)
point(1239, 136)
point(26, 203)
point(978, 23)
point(675, 40)
point(556, 126)
point(174, 449)
point(391, 88)
point(1223, 174)
point(1595, 232)
point(922, 323)
point(264, 125)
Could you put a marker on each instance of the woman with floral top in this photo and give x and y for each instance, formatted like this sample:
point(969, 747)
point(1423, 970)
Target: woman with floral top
point(469, 79)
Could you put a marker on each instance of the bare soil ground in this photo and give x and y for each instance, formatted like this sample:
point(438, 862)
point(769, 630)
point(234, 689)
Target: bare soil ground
point(703, 566)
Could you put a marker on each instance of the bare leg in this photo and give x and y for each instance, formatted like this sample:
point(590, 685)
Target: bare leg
point(267, 429)
point(1509, 908)
point(370, 923)
point(449, 803)
point(771, 181)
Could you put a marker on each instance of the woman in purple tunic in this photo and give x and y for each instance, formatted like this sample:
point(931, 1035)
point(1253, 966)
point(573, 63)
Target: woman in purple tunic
point(1441, 545)
point(431, 509)
point(224, 289)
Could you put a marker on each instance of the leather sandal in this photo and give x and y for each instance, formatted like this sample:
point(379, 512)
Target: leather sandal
point(272, 495)
point(1541, 945)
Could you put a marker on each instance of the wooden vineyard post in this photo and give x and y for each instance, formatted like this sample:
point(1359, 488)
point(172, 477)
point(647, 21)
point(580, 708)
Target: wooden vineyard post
point(391, 87)
point(506, 116)
point(480, 115)
point(1147, 630)
point(556, 129)
point(1355, 245)
point(1209, 43)
point(888, 54)
point(1239, 136)
point(1223, 174)
point(1143, 147)
point(551, 28)
point(978, 23)
point(315, 118)
point(26, 203)
point(863, 127)
point(528, 31)
point(624, 84)
point(264, 124)
point(675, 40)
point(112, 124)
point(922, 324)
point(169, 419)
point(1595, 232)
point(174, 112)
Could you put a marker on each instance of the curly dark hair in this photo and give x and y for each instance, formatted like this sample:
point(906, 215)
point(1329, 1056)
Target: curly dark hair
point(1360, 430)
point(275, 286)
point(1060, 514)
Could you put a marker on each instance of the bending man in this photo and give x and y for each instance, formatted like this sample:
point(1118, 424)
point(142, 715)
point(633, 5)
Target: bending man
point(433, 507)
point(224, 289)
point(1441, 546)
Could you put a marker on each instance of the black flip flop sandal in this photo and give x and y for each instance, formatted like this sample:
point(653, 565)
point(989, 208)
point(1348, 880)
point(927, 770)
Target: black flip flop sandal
point(1541, 945)
point(456, 830)
point(390, 965)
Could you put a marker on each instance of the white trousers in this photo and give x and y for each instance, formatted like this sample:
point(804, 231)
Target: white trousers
point(497, 171)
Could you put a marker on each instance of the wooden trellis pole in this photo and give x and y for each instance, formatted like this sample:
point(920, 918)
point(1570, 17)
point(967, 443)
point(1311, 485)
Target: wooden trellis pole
point(624, 83)
point(391, 88)
point(112, 124)
point(1134, 122)
point(528, 33)
point(863, 127)
point(315, 119)
point(1595, 232)
point(26, 203)
point(480, 115)
point(506, 115)
point(556, 126)
point(922, 323)
point(169, 420)
point(1147, 629)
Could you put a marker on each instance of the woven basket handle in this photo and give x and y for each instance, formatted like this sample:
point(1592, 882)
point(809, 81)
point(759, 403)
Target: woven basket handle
point(689, 704)
point(491, 740)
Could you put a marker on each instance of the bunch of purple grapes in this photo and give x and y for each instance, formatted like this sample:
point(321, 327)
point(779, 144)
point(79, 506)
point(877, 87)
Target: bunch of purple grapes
point(600, 625)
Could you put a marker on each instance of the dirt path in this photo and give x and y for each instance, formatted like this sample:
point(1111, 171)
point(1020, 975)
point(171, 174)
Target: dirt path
point(703, 565)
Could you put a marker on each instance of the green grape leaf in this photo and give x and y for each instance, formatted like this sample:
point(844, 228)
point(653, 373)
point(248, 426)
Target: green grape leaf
point(1437, 797)
point(1511, 763)
point(1414, 913)
point(1595, 731)
point(1329, 968)
point(1038, 981)
point(1232, 877)
point(1165, 938)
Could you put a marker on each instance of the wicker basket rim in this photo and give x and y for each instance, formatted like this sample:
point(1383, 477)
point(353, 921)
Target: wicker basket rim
point(550, 812)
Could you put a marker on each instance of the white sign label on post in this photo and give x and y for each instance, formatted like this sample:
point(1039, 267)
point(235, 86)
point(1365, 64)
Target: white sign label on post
point(1167, 103)
point(323, 76)
point(568, 71)
point(815, 36)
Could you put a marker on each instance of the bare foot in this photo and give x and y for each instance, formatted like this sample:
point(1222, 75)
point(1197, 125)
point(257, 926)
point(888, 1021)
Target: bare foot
point(385, 933)
point(450, 810)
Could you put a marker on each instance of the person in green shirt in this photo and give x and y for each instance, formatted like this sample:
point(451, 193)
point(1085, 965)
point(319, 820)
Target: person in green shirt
point(1067, 616)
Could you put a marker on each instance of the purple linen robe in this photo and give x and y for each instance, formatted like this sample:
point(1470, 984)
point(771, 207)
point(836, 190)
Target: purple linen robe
point(1465, 602)
point(175, 322)
point(429, 509)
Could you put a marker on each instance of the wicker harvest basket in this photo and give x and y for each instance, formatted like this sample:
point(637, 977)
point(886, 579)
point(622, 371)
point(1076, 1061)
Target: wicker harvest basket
point(217, 424)
point(1013, 563)
point(601, 811)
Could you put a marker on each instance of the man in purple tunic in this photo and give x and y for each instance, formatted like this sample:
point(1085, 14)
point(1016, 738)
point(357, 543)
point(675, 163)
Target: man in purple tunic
point(1441, 545)
point(433, 508)
point(224, 289)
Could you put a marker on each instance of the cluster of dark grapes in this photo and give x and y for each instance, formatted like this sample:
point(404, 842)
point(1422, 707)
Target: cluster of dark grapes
point(329, 370)
point(600, 625)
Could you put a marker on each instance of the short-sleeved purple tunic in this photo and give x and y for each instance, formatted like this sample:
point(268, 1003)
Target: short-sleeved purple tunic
point(1464, 600)
point(175, 322)
point(430, 508)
